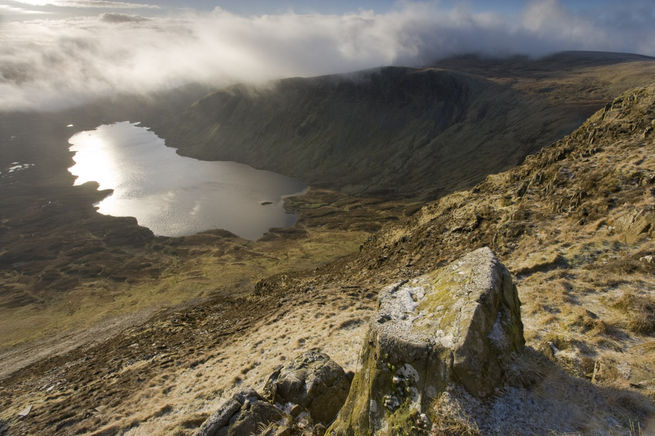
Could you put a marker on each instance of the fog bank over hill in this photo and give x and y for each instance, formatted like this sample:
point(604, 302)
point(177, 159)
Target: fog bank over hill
point(71, 58)
point(404, 132)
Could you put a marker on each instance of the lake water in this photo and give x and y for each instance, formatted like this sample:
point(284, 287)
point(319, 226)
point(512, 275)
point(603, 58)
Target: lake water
point(174, 195)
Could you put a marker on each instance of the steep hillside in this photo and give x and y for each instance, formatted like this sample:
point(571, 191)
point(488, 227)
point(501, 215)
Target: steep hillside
point(403, 131)
point(524, 66)
point(574, 224)
point(574, 79)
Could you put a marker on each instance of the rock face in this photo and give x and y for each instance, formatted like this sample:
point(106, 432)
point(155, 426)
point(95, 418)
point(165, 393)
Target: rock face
point(456, 326)
point(313, 381)
point(300, 398)
point(244, 414)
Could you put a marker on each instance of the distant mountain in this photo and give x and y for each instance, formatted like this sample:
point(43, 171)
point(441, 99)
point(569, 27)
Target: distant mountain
point(523, 65)
point(405, 132)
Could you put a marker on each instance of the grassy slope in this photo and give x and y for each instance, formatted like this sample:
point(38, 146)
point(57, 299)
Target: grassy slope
point(588, 273)
point(574, 223)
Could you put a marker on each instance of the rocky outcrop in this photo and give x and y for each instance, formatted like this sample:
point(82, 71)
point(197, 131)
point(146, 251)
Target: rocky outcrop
point(636, 224)
point(245, 413)
point(313, 381)
point(454, 327)
point(300, 398)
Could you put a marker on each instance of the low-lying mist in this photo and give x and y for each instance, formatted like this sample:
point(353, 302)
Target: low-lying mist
point(54, 63)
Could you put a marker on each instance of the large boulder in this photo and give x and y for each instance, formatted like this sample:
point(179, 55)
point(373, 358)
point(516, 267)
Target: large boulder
point(454, 327)
point(312, 380)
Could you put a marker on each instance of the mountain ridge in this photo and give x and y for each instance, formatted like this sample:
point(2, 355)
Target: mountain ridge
point(573, 223)
point(402, 132)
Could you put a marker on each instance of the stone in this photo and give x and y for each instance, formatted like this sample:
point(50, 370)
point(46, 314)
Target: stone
point(305, 393)
point(456, 326)
point(313, 381)
point(244, 414)
point(635, 225)
point(26, 411)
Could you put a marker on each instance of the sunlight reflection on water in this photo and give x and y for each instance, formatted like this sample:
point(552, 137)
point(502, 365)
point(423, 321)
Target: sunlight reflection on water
point(174, 195)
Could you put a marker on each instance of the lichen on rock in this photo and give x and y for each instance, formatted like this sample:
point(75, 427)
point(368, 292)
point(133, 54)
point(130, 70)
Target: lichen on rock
point(300, 398)
point(455, 326)
point(313, 381)
point(245, 413)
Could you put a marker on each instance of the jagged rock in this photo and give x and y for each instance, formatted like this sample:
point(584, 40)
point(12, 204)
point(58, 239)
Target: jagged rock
point(456, 326)
point(636, 224)
point(312, 380)
point(246, 413)
point(318, 430)
point(310, 390)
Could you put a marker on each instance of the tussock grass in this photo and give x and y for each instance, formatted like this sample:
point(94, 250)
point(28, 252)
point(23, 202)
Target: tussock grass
point(639, 312)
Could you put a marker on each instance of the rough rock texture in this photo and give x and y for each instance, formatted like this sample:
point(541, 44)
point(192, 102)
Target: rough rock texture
point(301, 398)
point(456, 326)
point(245, 413)
point(312, 380)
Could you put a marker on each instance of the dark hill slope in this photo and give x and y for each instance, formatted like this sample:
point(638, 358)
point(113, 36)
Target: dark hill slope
point(524, 66)
point(572, 80)
point(396, 131)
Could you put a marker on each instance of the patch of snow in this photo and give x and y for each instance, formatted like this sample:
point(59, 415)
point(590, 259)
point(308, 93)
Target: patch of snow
point(26, 411)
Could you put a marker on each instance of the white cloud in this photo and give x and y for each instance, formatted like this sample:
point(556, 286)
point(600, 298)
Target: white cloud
point(550, 20)
point(8, 9)
point(83, 4)
point(46, 63)
point(17, 10)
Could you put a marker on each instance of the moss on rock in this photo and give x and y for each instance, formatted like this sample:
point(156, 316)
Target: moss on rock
point(455, 325)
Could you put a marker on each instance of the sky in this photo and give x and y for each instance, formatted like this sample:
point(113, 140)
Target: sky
point(58, 53)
